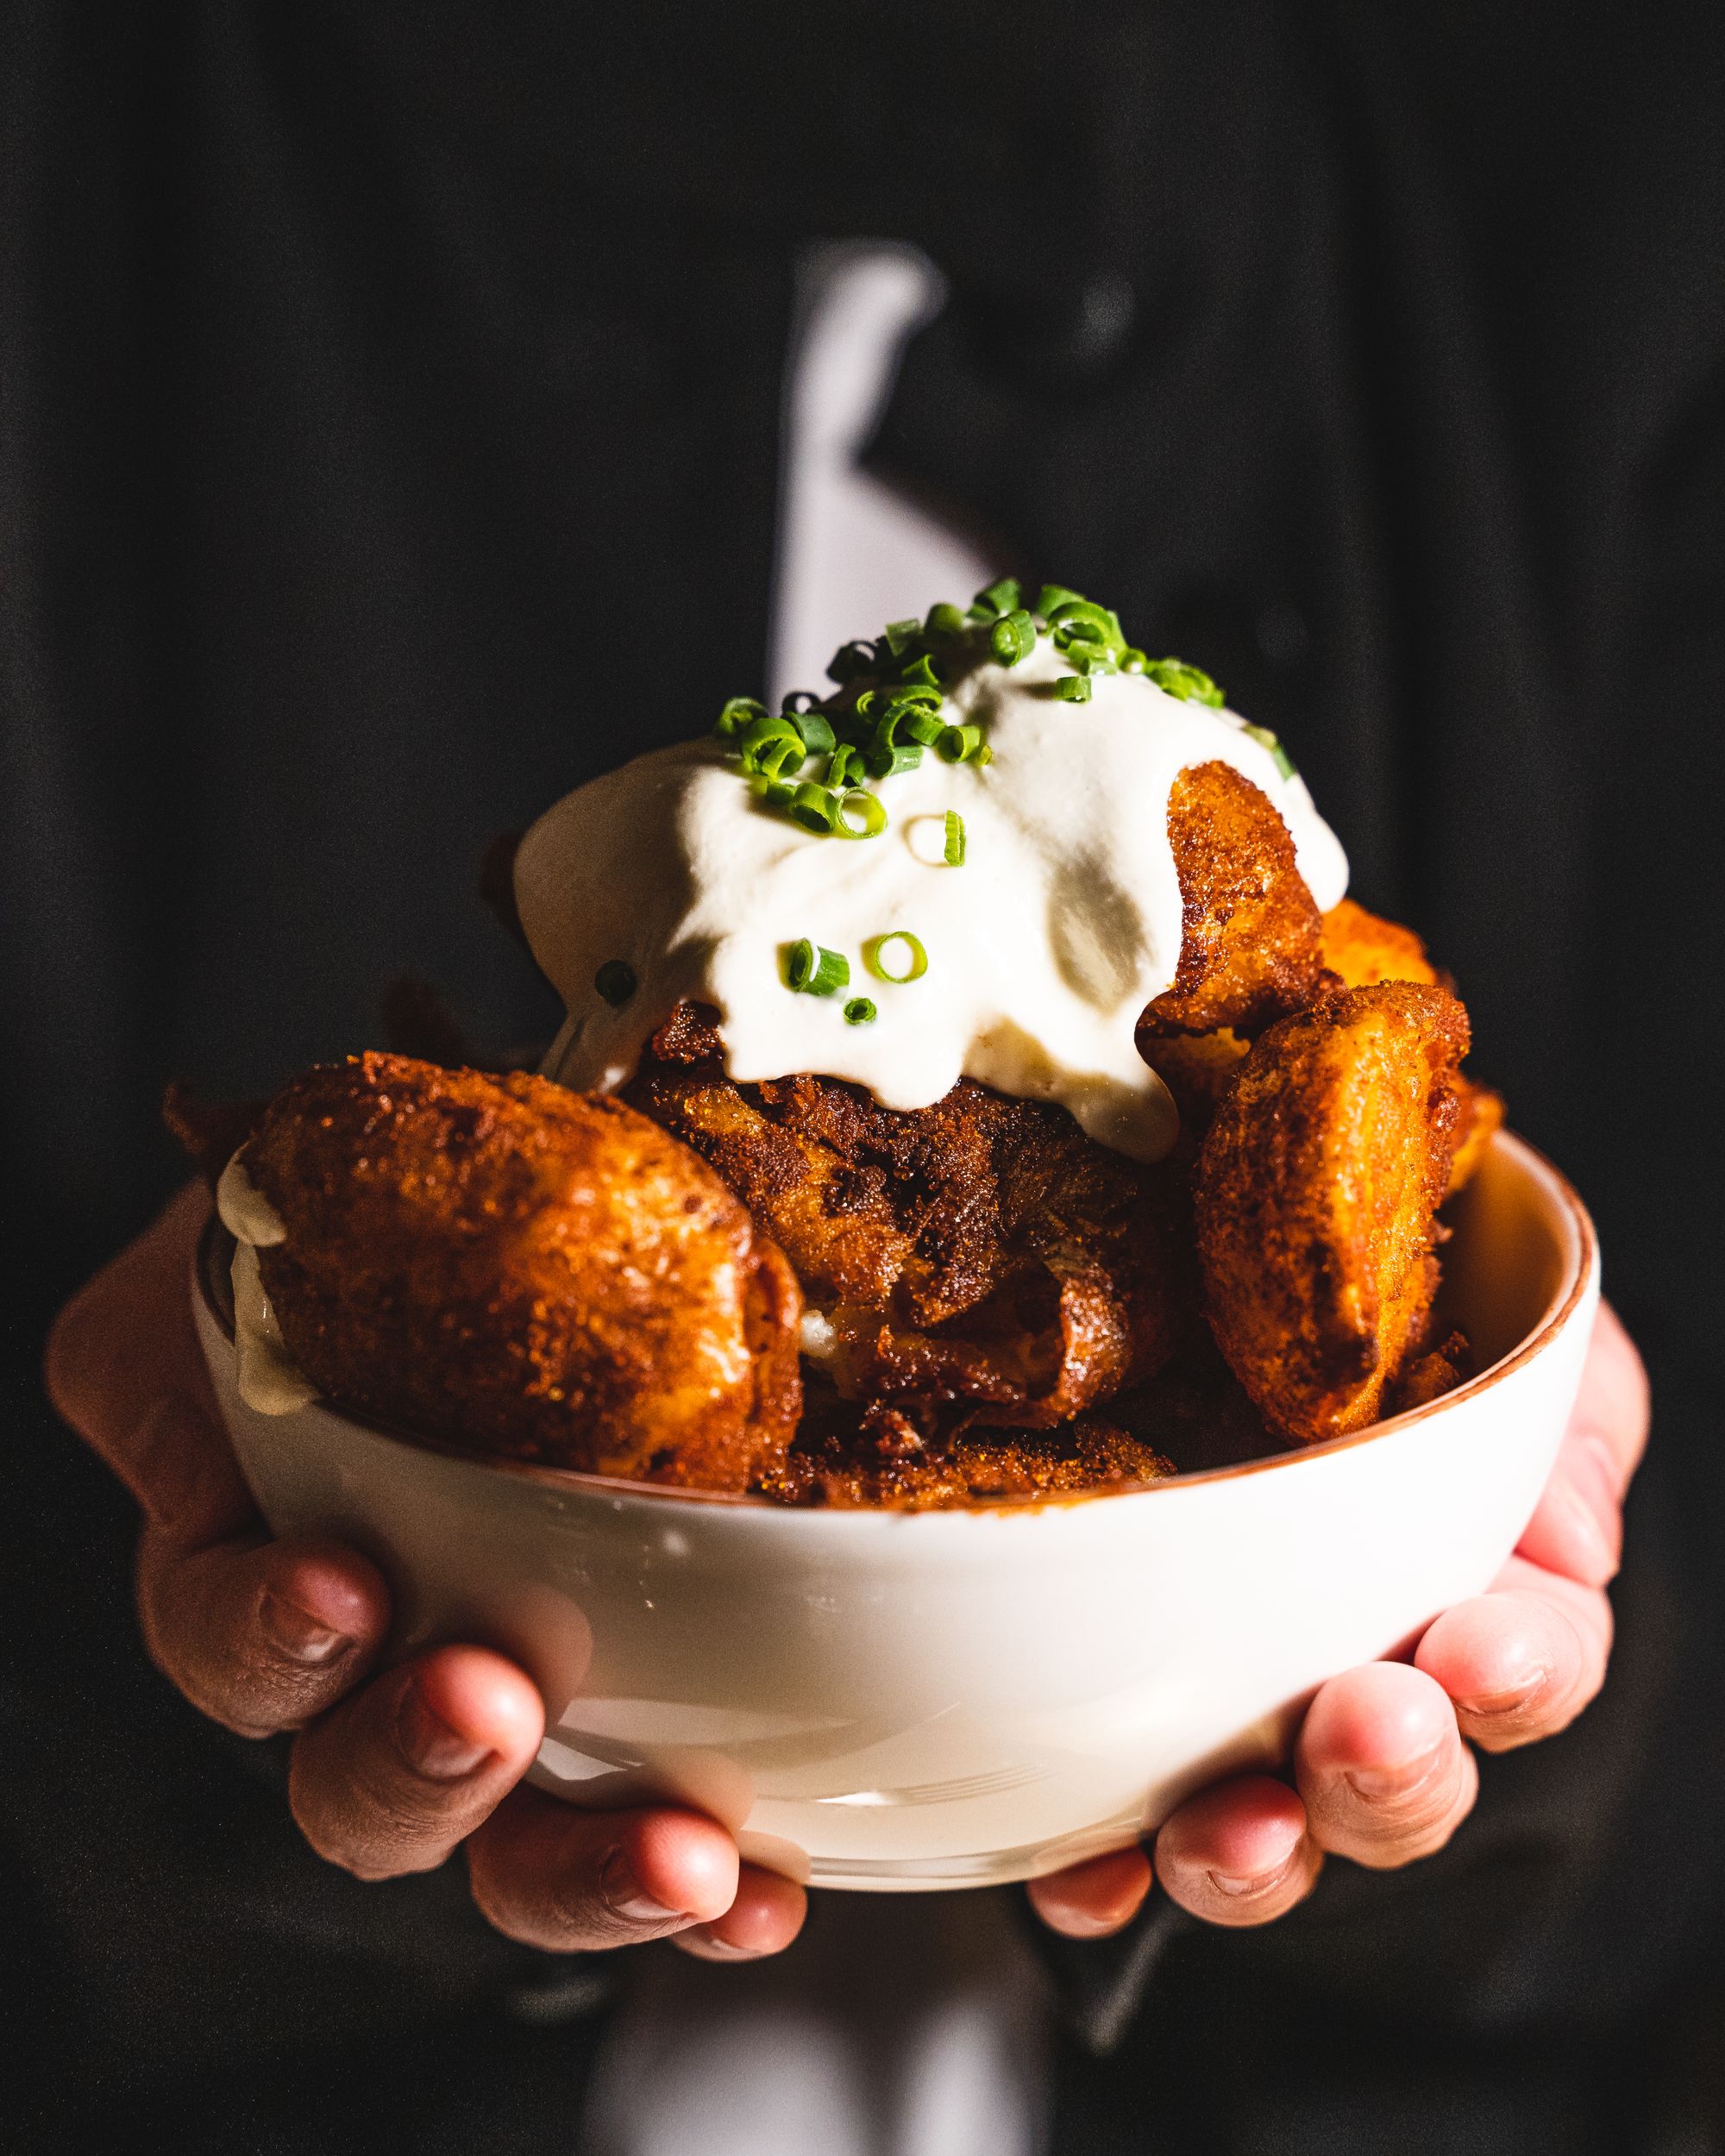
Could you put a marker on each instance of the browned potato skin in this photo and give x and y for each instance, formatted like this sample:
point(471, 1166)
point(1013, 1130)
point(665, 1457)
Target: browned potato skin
point(983, 1250)
point(1251, 936)
point(529, 1271)
point(1315, 1201)
point(1362, 948)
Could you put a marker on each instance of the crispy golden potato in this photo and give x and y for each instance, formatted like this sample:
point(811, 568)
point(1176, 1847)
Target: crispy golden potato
point(536, 1272)
point(1315, 1201)
point(1362, 948)
point(1197, 1069)
point(983, 1250)
point(1481, 1118)
point(1252, 942)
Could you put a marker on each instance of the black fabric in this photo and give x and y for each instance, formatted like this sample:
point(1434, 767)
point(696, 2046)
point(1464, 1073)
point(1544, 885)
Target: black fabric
point(389, 440)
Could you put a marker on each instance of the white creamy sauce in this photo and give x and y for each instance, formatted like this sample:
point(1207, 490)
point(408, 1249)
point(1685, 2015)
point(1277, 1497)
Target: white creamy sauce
point(1042, 949)
point(270, 1382)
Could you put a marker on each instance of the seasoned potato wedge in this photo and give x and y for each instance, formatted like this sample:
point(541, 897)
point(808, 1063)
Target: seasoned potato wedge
point(536, 1272)
point(1362, 948)
point(1315, 1201)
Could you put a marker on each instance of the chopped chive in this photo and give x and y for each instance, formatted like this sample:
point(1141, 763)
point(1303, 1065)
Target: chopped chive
point(916, 958)
point(1265, 739)
point(798, 701)
point(921, 727)
point(998, 598)
point(1053, 597)
point(736, 715)
point(767, 744)
point(868, 806)
point(1093, 659)
point(1190, 684)
point(921, 674)
point(1078, 621)
point(1073, 688)
point(615, 981)
point(901, 635)
point(887, 760)
point(812, 970)
point(1132, 661)
point(851, 660)
point(859, 1012)
point(777, 794)
point(845, 767)
point(943, 621)
point(955, 839)
point(1013, 638)
point(960, 744)
point(815, 807)
point(816, 729)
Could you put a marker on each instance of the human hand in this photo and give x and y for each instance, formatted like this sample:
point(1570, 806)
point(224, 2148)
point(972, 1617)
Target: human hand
point(1382, 1769)
point(392, 1771)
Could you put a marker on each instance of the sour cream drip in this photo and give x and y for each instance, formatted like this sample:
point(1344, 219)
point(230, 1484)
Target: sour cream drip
point(270, 1383)
point(1042, 949)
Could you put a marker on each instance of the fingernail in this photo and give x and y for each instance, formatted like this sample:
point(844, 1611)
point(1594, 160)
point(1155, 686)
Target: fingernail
point(298, 1634)
point(623, 1896)
point(1260, 1883)
point(1377, 1783)
point(721, 1949)
point(1510, 1699)
point(440, 1753)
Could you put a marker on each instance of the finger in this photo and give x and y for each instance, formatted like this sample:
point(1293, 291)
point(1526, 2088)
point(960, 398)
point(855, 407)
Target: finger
point(261, 1636)
point(1239, 1853)
point(1519, 1664)
point(557, 1877)
point(122, 1366)
point(394, 1778)
point(1089, 1901)
point(766, 1916)
point(1578, 1527)
point(1382, 1766)
point(1614, 1398)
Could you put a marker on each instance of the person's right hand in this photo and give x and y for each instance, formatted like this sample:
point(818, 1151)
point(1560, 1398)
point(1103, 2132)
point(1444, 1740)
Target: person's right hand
point(390, 1771)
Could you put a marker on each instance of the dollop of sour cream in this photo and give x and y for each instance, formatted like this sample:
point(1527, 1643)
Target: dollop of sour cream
point(270, 1383)
point(1042, 949)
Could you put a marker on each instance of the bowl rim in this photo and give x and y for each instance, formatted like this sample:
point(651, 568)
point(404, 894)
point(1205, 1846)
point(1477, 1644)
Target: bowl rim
point(1580, 1271)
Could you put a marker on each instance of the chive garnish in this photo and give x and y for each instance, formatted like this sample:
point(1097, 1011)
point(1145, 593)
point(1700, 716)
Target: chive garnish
point(1073, 688)
point(615, 981)
point(875, 954)
point(859, 1012)
point(816, 730)
point(921, 673)
point(886, 761)
point(1013, 637)
point(998, 598)
point(812, 970)
point(961, 744)
point(851, 660)
point(943, 621)
point(868, 806)
point(901, 635)
point(955, 839)
point(736, 715)
point(1190, 684)
point(815, 807)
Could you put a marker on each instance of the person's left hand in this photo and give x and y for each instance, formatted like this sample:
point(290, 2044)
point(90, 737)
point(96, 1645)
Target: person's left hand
point(1381, 1769)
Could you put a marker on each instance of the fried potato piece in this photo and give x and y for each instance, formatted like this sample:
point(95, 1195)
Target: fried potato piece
point(982, 1250)
point(1362, 948)
point(534, 1272)
point(1482, 1118)
point(1431, 1374)
point(1315, 1201)
point(1197, 1069)
point(1251, 936)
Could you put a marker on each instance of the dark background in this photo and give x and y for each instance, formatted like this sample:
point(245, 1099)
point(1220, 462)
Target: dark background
point(388, 440)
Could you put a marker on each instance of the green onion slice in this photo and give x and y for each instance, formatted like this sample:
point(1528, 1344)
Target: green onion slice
point(851, 660)
point(998, 598)
point(812, 970)
point(615, 981)
point(1077, 621)
point(1053, 597)
point(884, 953)
point(921, 673)
point(866, 805)
point(901, 635)
point(1073, 688)
point(1190, 684)
point(1013, 638)
point(859, 1012)
point(1265, 739)
point(961, 744)
point(955, 839)
point(886, 761)
point(1132, 661)
point(736, 715)
point(845, 767)
point(943, 621)
point(815, 807)
point(921, 727)
point(816, 729)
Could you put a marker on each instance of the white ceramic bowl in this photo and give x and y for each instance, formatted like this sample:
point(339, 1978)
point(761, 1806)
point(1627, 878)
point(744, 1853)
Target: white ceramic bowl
point(894, 1701)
